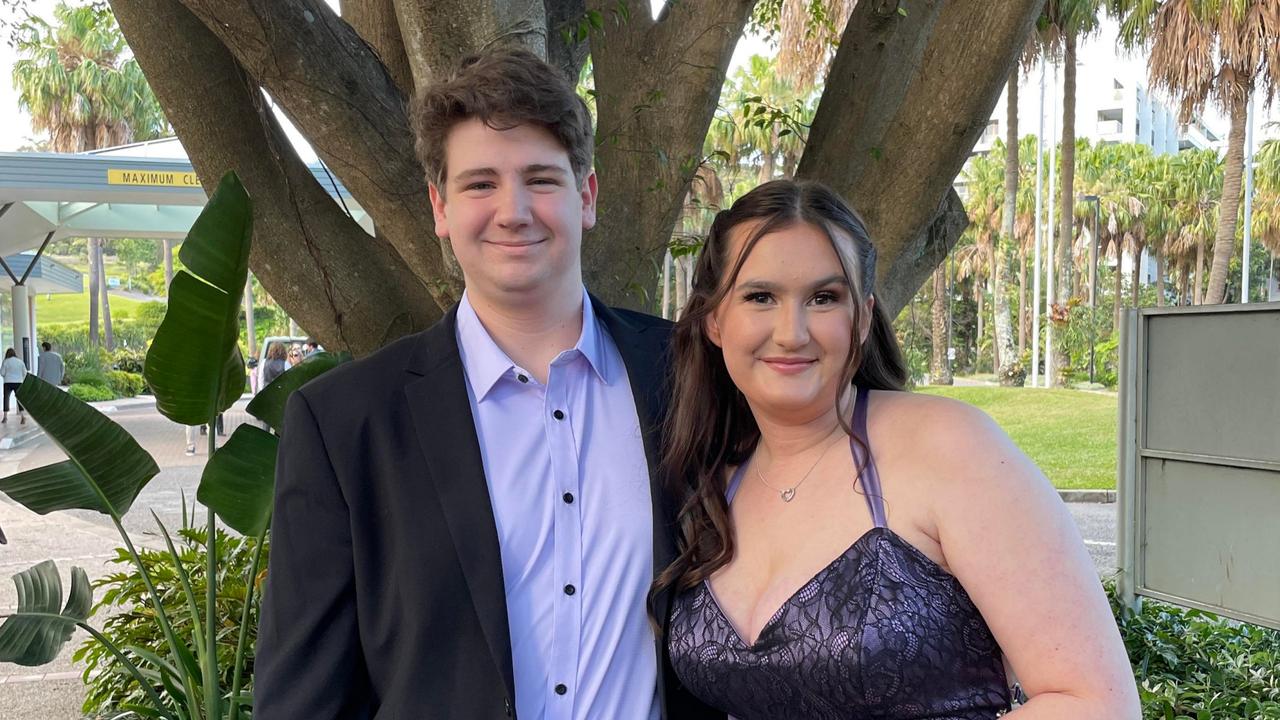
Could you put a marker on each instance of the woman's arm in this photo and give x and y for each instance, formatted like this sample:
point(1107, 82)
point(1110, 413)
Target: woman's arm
point(1014, 547)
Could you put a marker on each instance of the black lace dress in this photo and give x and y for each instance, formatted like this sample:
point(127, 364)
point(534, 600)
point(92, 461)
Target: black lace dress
point(882, 632)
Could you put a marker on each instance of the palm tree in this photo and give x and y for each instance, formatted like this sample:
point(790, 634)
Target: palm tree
point(1266, 199)
point(79, 84)
point(1217, 50)
point(984, 187)
point(1065, 23)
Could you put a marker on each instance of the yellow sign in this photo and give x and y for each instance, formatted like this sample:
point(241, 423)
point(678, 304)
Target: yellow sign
point(153, 178)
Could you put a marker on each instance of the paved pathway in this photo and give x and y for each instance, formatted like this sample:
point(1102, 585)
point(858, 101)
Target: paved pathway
point(89, 540)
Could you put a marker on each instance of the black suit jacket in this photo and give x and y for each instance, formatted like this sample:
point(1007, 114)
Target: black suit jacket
point(385, 596)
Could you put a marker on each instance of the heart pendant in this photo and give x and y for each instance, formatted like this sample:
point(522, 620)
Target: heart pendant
point(788, 494)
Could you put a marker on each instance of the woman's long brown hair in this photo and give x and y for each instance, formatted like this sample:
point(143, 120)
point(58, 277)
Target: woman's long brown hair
point(709, 426)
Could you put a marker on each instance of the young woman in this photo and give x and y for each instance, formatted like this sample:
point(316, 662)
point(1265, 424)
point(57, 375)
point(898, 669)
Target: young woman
point(851, 550)
point(14, 371)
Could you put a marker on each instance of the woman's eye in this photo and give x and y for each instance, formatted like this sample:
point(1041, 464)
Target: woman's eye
point(758, 297)
point(825, 298)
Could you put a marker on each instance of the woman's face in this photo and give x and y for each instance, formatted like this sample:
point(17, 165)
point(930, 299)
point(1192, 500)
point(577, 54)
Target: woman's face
point(295, 356)
point(786, 325)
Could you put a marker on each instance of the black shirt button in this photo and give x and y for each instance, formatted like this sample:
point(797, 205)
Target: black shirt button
point(568, 498)
point(523, 378)
point(561, 689)
point(559, 414)
point(569, 590)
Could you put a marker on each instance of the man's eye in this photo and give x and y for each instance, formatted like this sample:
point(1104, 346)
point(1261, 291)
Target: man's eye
point(479, 186)
point(543, 181)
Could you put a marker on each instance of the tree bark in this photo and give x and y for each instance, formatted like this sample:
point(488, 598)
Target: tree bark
point(1160, 270)
point(657, 85)
point(1022, 303)
point(350, 290)
point(1006, 360)
point(376, 22)
point(468, 27)
point(1224, 242)
point(1135, 276)
point(940, 363)
point(1066, 204)
point(980, 293)
point(91, 251)
point(1197, 291)
point(1118, 299)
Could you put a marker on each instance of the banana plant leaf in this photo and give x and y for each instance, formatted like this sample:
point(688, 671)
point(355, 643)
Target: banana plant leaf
point(268, 404)
point(106, 468)
point(35, 640)
point(194, 365)
point(239, 480)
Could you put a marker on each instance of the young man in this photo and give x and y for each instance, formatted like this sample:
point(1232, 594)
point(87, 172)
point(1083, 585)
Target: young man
point(467, 522)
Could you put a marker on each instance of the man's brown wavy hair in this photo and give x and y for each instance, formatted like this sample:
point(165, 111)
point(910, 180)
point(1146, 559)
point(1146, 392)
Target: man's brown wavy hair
point(504, 88)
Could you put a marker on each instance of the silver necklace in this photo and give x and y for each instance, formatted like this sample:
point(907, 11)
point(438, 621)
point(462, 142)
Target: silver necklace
point(789, 494)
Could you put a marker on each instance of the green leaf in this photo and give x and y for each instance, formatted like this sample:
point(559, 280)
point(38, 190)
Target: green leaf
point(596, 19)
point(268, 404)
point(194, 365)
point(106, 470)
point(32, 641)
point(239, 479)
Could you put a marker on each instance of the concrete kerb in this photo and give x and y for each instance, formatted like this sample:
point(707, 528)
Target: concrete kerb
point(1087, 496)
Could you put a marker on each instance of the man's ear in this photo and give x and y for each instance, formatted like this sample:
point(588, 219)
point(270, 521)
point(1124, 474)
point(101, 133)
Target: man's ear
point(438, 211)
point(590, 186)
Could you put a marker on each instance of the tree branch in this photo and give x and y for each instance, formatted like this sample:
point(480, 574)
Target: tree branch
point(313, 259)
point(375, 21)
point(336, 90)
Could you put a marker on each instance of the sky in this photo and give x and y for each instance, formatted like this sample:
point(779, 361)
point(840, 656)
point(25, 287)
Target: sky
point(15, 127)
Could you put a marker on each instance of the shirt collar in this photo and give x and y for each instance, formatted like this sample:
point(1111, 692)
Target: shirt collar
point(486, 363)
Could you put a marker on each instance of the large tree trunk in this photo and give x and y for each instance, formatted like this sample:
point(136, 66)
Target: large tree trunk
point(939, 362)
point(107, 333)
point(1224, 242)
point(1066, 200)
point(979, 294)
point(914, 92)
point(91, 248)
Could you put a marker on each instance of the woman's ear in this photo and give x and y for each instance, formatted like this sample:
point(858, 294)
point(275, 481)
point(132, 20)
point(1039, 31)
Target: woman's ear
point(711, 326)
point(868, 319)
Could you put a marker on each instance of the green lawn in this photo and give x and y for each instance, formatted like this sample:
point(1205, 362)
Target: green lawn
point(1070, 434)
point(68, 308)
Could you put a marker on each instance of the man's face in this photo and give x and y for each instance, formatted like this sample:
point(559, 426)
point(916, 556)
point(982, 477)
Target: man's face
point(512, 211)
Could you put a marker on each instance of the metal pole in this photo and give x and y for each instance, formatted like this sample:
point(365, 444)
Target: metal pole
point(1051, 227)
point(1093, 285)
point(1248, 203)
point(1035, 277)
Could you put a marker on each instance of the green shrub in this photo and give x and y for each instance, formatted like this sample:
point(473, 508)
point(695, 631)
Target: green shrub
point(129, 359)
point(89, 376)
point(131, 621)
point(90, 393)
point(1193, 664)
point(126, 384)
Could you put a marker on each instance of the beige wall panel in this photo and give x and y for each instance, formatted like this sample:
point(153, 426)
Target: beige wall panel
point(1213, 384)
point(1212, 536)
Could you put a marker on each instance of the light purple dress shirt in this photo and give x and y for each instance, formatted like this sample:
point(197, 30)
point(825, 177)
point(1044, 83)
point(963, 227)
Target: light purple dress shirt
point(569, 483)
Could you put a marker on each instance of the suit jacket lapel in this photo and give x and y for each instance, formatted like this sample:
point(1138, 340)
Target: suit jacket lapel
point(445, 429)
